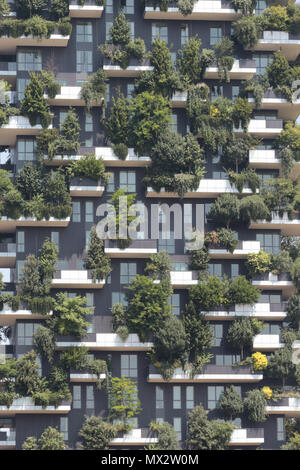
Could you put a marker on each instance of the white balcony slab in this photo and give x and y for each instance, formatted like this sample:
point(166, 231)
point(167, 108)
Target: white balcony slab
point(9, 316)
point(248, 247)
point(27, 406)
point(267, 342)
point(279, 40)
point(130, 71)
point(81, 377)
point(262, 128)
point(262, 311)
point(240, 437)
point(133, 438)
point(288, 406)
point(18, 125)
point(237, 72)
point(76, 278)
point(183, 377)
point(70, 96)
point(9, 44)
point(284, 224)
point(86, 191)
point(203, 10)
point(109, 342)
point(85, 11)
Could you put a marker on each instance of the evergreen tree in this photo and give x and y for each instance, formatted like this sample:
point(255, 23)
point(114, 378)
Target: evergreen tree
point(96, 434)
point(231, 403)
point(96, 259)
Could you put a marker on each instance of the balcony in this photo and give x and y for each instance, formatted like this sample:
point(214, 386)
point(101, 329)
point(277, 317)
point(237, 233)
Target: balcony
point(8, 255)
point(207, 188)
point(288, 43)
point(184, 279)
point(106, 342)
point(263, 127)
point(18, 125)
point(269, 281)
point(284, 224)
point(179, 99)
point(8, 72)
point(214, 10)
point(269, 159)
point(8, 275)
point(285, 406)
point(137, 249)
point(88, 10)
point(9, 44)
point(9, 316)
point(136, 437)
point(134, 68)
point(85, 377)
point(85, 187)
point(70, 96)
point(7, 438)
point(75, 278)
point(26, 405)
point(267, 343)
point(132, 160)
point(247, 437)
point(243, 249)
point(211, 374)
point(286, 110)
point(242, 69)
point(263, 311)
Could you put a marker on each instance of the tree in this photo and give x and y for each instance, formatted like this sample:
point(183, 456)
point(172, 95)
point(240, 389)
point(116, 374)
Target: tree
point(28, 8)
point(120, 30)
point(123, 400)
point(293, 311)
point(198, 334)
point(164, 77)
point(29, 283)
point(70, 316)
point(167, 436)
point(241, 291)
point(231, 403)
point(258, 263)
point(90, 166)
point(280, 364)
point(208, 294)
point(117, 124)
point(121, 219)
point(148, 306)
point(159, 265)
point(96, 259)
point(30, 444)
point(4, 8)
point(51, 439)
point(57, 195)
point(150, 116)
point(70, 131)
point(255, 406)
point(241, 333)
point(225, 210)
point(236, 152)
point(34, 105)
point(253, 208)
point(27, 377)
point(47, 263)
point(45, 342)
point(94, 89)
point(293, 443)
point(246, 30)
point(192, 63)
point(96, 434)
point(295, 273)
point(29, 181)
point(207, 435)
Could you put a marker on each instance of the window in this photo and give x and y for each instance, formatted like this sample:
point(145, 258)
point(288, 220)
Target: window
point(215, 270)
point(119, 297)
point(215, 35)
point(84, 32)
point(160, 31)
point(29, 61)
point(110, 187)
point(214, 392)
point(269, 242)
point(62, 116)
point(173, 123)
point(184, 34)
point(109, 6)
point(20, 266)
point(270, 298)
point(216, 91)
point(26, 333)
point(127, 181)
point(89, 211)
point(108, 27)
point(89, 299)
point(217, 331)
point(84, 61)
point(270, 329)
point(176, 397)
point(227, 359)
point(159, 398)
point(261, 5)
point(190, 401)
point(76, 212)
point(26, 149)
point(128, 8)
point(21, 87)
point(55, 237)
point(175, 304)
point(280, 429)
point(130, 90)
point(87, 238)
point(127, 272)
point(20, 242)
point(235, 92)
point(90, 399)
point(89, 123)
point(177, 427)
point(63, 427)
point(207, 208)
point(76, 397)
point(131, 25)
point(107, 93)
point(129, 365)
point(167, 243)
point(262, 61)
point(180, 266)
point(235, 270)
point(217, 156)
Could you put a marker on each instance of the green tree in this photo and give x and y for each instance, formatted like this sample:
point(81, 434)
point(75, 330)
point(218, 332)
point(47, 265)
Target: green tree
point(4, 8)
point(255, 406)
point(117, 124)
point(120, 30)
point(165, 79)
point(258, 263)
point(236, 152)
point(241, 333)
point(96, 434)
point(225, 210)
point(208, 294)
point(90, 166)
point(45, 342)
point(30, 444)
point(295, 273)
point(51, 439)
point(123, 400)
point(94, 89)
point(121, 219)
point(29, 181)
point(28, 8)
point(231, 403)
point(96, 259)
point(253, 208)
point(192, 63)
point(246, 30)
point(241, 291)
point(159, 265)
point(293, 311)
point(198, 334)
point(166, 435)
point(70, 316)
point(29, 282)
point(27, 377)
point(70, 131)
point(293, 443)
point(280, 364)
point(207, 435)
point(34, 105)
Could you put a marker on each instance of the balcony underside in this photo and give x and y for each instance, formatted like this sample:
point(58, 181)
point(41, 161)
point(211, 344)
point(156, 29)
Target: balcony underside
point(85, 11)
point(9, 45)
point(7, 226)
point(84, 191)
point(130, 252)
point(7, 445)
point(287, 229)
point(8, 319)
point(287, 287)
point(86, 378)
point(234, 73)
point(224, 316)
point(208, 378)
point(129, 72)
point(212, 14)
point(286, 110)
point(290, 49)
point(7, 260)
point(76, 284)
point(283, 410)
point(275, 164)
point(9, 76)
point(8, 137)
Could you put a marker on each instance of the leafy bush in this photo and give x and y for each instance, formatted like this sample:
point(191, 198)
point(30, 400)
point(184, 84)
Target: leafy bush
point(89, 166)
point(255, 406)
point(260, 361)
point(96, 259)
point(258, 263)
point(120, 150)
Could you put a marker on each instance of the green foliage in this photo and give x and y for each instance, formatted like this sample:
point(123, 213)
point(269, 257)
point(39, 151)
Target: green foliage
point(200, 260)
point(89, 166)
point(258, 263)
point(253, 208)
point(241, 291)
point(295, 273)
point(293, 443)
point(192, 63)
point(70, 316)
point(223, 237)
point(120, 150)
point(123, 400)
point(121, 203)
point(94, 89)
point(293, 311)
point(207, 435)
point(4, 8)
point(30, 444)
point(247, 30)
point(27, 380)
point(73, 357)
point(246, 7)
point(96, 259)
point(120, 31)
point(279, 195)
point(117, 123)
point(255, 406)
point(198, 336)
point(70, 130)
point(160, 265)
point(231, 403)
point(275, 18)
point(281, 263)
point(290, 137)
point(51, 439)
point(45, 342)
point(96, 434)
point(34, 105)
point(225, 210)
point(280, 364)
point(241, 113)
point(208, 294)
point(236, 152)
point(241, 333)
point(286, 156)
point(166, 435)
point(224, 56)
point(118, 316)
point(29, 181)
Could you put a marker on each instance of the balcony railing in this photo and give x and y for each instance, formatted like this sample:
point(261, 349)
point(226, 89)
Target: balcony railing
point(79, 278)
point(288, 43)
point(242, 68)
point(136, 249)
point(26, 405)
point(268, 311)
point(247, 436)
point(134, 68)
point(88, 10)
point(288, 406)
point(285, 224)
point(105, 342)
point(7, 438)
point(242, 250)
point(203, 10)
point(136, 437)
point(263, 127)
point(267, 342)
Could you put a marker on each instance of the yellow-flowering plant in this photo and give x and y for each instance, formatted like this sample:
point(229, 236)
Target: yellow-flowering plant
point(260, 361)
point(267, 391)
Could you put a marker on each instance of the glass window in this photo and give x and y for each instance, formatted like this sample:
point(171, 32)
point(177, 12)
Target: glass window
point(62, 116)
point(173, 123)
point(84, 32)
point(184, 34)
point(130, 90)
point(76, 216)
point(176, 397)
point(127, 181)
point(235, 92)
point(127, 272)
point(270, 329)
point(128, 7)
point(262, 61)
point(269, 242)
point(108, 26)
point(280, 429)
point(167, 243)
point(29, 61)
point(215, 270)
point(215, 35)
point(227, 359)
point(216, 91)
point(235, 270)
point(131, 24)
point(21, 87)
point(76, 397)
point(26, 333)
point(89, 299)
point(270, 298)
point(109, 6)
point(90, 399)
point(217, 331)
point(84, 61)
point(214, 392)
point(110, 187)
point(175, 304)
point(63, 427)
point(180, 266)
point(89, 123)
point(261, 5)
point(190, 401)
point(107, 93)
point(119, 297)
point(20, 242)
point(160, 30)
point(26, 149)
point(129, 365)
point(89, 211)
point(177, 427)
point(55, 237)
point(159, 398)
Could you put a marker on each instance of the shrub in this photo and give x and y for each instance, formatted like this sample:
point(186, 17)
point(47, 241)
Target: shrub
point(230, 403)
point(246, 30)
point(90, 166)
point(241, 291)
point(45, 342)
point(258, 263)
point(94, 89)
point(96, 434)
point(120, 150)
point(267, 391)
point(96, 259)
point(255, 406)
point(166, 434)
point(260, 361)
